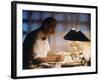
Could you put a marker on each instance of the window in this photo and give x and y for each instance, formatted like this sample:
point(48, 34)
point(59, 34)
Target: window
point(65, 21)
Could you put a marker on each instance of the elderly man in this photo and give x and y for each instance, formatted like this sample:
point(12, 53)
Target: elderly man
point(36, 45)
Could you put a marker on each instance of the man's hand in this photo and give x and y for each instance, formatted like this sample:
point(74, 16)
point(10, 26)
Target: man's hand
point(59, 57)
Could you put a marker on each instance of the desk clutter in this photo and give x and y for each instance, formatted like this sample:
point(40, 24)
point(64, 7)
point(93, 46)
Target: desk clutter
point(69, 61)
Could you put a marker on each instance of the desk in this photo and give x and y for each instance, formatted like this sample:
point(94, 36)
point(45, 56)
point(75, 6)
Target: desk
point(55, 65)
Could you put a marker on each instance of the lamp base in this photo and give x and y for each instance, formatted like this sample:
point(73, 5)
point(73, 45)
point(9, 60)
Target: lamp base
point(76, 50)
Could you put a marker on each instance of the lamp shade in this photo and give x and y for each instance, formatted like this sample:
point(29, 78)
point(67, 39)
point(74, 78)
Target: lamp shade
point(75, 35)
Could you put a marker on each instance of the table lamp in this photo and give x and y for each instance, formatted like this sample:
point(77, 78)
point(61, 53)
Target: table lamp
point(75, 36)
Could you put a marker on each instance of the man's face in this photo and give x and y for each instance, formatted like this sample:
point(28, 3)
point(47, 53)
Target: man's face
point(51, 29)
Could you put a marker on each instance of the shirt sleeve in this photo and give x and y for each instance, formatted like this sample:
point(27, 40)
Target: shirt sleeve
point(41, 48)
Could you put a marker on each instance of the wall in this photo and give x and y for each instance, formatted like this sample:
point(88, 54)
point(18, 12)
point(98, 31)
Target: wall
point(5, 40)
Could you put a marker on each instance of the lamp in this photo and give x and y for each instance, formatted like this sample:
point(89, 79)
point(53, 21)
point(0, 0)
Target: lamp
point(75, 36)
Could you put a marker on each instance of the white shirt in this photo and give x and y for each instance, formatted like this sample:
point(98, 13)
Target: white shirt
point(41, 47)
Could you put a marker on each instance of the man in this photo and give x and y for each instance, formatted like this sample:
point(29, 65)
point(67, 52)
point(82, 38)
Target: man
point(36, 45)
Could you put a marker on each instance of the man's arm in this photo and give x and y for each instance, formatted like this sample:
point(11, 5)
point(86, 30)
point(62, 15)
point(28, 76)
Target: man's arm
point(54, 58)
